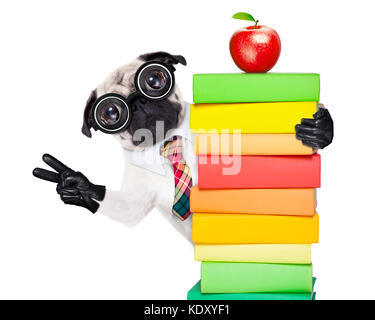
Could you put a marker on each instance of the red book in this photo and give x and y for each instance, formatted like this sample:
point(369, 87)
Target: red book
point(258, 172)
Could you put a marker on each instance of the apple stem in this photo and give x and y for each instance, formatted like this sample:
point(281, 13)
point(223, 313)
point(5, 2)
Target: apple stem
point(256, 24)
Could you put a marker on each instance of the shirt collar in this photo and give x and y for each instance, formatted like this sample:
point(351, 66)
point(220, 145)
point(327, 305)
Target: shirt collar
point(150, 158)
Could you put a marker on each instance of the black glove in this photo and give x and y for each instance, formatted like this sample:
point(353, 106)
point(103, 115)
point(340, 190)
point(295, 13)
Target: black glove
point(317, 132)
point(72, 186)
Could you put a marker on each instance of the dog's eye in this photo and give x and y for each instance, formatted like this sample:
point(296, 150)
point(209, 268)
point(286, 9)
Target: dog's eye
point(156, 80)
point(110, 114)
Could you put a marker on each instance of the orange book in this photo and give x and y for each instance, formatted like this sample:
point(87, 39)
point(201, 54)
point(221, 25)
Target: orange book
point(258, 172)
point(289, 202)
point(232, 228)
point(250, 144)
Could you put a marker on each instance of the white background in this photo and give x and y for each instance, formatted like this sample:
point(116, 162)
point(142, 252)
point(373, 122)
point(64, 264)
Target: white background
point(54, 52)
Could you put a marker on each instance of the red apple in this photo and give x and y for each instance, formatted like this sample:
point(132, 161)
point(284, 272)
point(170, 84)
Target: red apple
point(254, 48)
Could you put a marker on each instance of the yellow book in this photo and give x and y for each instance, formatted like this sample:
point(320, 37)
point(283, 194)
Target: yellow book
point(250, 144)
point(271, 117)
point(262, 253)
point(222, 228)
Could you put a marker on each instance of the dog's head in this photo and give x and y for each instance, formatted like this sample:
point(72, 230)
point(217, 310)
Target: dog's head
point(146, 113)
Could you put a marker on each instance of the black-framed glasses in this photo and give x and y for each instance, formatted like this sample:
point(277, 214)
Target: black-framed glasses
point(112, 113)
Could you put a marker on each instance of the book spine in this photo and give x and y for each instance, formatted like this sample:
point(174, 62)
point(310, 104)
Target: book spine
point(260, 253)
point(249, 144)
point(227, 277)
point(249, 296)
point(290, 202)
point(226, 172)
point(226, 88)
point(249, 118)
point(224, 228)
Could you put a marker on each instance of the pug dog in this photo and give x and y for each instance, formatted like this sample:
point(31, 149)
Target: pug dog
point(140, 105)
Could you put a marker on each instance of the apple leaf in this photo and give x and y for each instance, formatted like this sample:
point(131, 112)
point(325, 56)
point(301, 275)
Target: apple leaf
point(243, 16)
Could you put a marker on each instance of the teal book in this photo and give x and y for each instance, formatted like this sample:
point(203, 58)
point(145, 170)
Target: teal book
point(255, 87)
point(236, 277)
point(196, 294)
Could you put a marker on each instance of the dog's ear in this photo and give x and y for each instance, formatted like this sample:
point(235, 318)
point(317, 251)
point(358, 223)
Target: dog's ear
point(164, 57)
point(89, 104)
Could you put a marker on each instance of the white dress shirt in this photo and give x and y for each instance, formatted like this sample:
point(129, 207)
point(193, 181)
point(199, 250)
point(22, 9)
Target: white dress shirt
point(150, 158)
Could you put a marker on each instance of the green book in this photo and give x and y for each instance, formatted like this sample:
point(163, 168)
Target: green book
point(255, 87)
point(237, 277)
point(196, 294)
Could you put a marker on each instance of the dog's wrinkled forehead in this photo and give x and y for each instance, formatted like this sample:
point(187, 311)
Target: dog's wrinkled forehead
point(121, 80)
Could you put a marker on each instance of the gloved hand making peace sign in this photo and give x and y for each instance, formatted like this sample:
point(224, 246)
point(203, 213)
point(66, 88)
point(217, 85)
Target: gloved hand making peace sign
point(72, 186)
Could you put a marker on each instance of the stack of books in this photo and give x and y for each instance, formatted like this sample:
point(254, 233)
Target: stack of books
point(254, 217)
